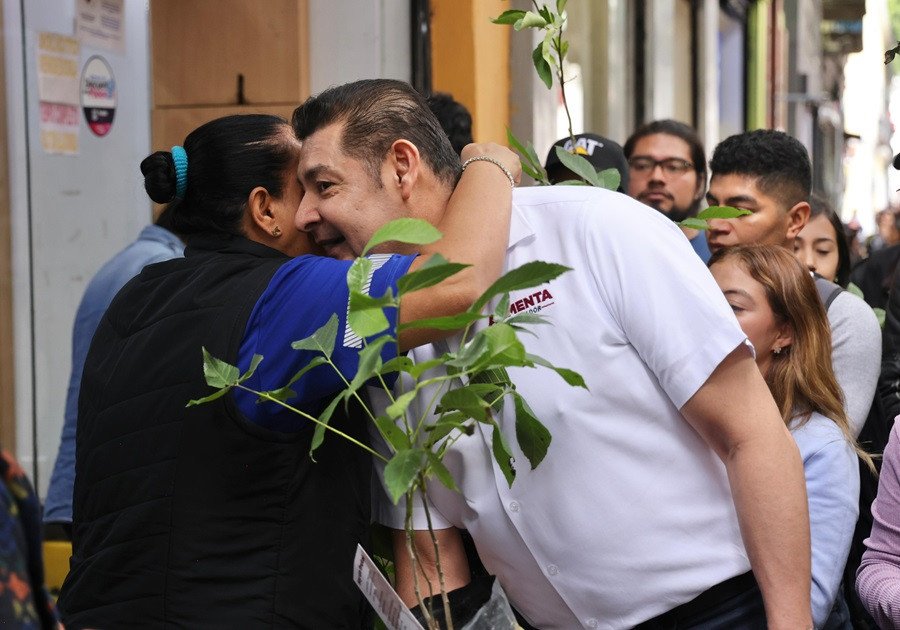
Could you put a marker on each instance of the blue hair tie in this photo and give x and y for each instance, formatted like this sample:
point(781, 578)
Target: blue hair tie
point(179, 156)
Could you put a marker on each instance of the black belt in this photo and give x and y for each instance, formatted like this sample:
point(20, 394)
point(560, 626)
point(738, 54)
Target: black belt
point(706, 600)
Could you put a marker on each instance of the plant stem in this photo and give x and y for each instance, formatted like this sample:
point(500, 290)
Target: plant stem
point(303, 414)
point(437, 554)
point(414, 559)
point(558, 43)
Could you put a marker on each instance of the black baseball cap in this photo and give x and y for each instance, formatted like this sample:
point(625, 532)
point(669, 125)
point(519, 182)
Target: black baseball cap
point(601, 152)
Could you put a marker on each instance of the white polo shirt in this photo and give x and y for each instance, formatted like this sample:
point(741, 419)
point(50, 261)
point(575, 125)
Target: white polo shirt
point(630, 513)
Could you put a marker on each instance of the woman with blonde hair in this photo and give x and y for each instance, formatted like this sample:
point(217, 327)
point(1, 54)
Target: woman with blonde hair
point(776, 303)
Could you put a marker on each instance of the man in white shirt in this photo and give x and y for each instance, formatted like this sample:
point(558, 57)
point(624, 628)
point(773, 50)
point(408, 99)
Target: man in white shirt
point(667, 480)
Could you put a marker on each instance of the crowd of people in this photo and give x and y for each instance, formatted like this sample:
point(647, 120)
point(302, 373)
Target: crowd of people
point(718, 471)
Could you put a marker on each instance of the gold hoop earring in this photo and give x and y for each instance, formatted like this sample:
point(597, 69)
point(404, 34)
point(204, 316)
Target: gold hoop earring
point(276, 231)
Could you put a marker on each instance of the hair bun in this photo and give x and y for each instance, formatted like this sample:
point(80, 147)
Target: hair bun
point(159, 176)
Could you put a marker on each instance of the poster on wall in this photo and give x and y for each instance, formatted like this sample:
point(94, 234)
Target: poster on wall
point(98, 95)
point(57, 64)
point(99, 24)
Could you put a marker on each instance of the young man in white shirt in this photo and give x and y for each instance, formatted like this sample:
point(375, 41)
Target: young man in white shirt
point(669, 479)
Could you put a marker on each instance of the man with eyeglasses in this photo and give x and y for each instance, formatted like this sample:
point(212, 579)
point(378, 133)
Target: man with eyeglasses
point(667, 167)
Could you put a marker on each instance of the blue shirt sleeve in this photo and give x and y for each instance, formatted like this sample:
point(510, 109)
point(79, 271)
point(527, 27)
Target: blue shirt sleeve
point(301, 297)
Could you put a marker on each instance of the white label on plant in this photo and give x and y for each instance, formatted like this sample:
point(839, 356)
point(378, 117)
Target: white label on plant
point(378, 591)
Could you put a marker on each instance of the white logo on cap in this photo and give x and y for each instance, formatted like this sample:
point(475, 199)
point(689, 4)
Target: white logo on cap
point(585, 144)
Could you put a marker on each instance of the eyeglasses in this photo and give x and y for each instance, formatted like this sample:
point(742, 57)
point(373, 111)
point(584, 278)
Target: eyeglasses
point(669, 166)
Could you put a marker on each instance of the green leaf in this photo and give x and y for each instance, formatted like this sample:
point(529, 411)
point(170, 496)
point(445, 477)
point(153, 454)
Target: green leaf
point(392, 434)
point(505, 347)
point(254, 363)
point(502, 455)
point(543, 68)
point(401, 404)
point(564, 49)
point(368, 322)
point(501, 311)
point(401, 471)
point(527, 318)
point(880, 315)
point(517, 145)
point(440, 471)
point(470, 354)
point(531, 165)
point(560, 6)
point(449, 421)
point(722, 212)
point(855, 290)
point(316, 361)
point(694, 223)
point(218, 373)
point(322, 340)
point(398, 364)
point(529, 275)
point(533, 156)
point(530, 162)
point(419, 369)
point(492, 376)
point(466, 400)
point(509, 17)
point(282, 394)
point(572, 182)
point(610, 178)
point(580, 166)
point(406, 230)
point(547, 48)
point(539, 176)
point(366, 314)
point(530, 20)
point(450, 322)
point(491, 385)
point(324, 418)
point(210, 398)
point(533, 437)
point(429, 274)
point(365, 302)
point(358, 274)
point(571, 377)
point(369, 363)
point(544, 11)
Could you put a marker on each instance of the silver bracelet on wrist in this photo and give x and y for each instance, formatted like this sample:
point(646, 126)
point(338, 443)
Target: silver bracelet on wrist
point(485, 158)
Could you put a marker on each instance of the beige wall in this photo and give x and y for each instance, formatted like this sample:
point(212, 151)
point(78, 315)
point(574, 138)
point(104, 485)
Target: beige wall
point(199, 48)
point(470, 60)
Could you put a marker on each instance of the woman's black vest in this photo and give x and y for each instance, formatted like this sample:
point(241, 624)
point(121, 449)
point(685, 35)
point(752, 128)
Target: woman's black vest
point(194, 517)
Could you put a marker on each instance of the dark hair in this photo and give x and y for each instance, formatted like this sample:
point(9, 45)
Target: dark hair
point(227, 158)
point(779, 162)
point(376, 113)
point(677, 129)
point(454, 118)
point(819, 206)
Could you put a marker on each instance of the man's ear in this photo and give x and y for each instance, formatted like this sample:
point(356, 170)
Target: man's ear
point(405, 163)
point(798, 217)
